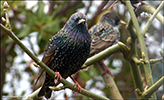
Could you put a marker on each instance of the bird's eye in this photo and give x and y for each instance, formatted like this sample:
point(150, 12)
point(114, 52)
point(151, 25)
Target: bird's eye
point(77, 20)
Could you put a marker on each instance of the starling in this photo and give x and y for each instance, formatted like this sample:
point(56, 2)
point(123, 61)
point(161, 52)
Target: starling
point(112, 2)
point(105, 33)
point(66, 51)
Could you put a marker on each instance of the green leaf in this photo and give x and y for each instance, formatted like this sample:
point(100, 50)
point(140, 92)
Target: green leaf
point(42, 40)
point(85, 75)
point(40, 11)
point(24, 32)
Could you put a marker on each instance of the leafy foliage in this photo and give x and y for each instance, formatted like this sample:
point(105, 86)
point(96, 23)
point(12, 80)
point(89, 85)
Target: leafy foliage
point(35, 23)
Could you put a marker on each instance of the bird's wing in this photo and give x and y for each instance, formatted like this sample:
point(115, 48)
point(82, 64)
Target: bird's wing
point(49, 53)
point(52, 48)
point(103, 36)
point(108, 33)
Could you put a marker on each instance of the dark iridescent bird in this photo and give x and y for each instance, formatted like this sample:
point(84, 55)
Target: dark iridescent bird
point(112, 2)
point(66, 51)
point(105, 33)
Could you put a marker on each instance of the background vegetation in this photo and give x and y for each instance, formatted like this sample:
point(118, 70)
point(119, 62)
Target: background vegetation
point(35, 25)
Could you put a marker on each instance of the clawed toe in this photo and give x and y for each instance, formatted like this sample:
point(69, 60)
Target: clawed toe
point(57, 77)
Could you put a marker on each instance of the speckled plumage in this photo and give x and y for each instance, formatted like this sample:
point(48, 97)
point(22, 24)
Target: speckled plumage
point(67, 51)
point(105, 33)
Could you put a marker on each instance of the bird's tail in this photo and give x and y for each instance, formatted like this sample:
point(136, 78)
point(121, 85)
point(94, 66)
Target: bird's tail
point(45, 90)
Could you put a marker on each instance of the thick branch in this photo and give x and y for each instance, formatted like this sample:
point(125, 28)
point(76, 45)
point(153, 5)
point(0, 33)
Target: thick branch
point(140, 36)
point(110, 84)
point(103, 54)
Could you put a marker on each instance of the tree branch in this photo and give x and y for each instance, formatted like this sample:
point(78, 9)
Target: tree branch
point(110, 84)
point(147, 93)
point(151, 10)
point(87, 8)
point(153, 16)
point(140, 36)
point(99, 10)
point(64, 8)
point(103, 54)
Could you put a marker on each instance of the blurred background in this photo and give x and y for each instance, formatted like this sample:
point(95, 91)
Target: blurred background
point(36, 22)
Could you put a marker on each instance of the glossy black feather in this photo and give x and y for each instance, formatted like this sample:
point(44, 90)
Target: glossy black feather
point(67, 51)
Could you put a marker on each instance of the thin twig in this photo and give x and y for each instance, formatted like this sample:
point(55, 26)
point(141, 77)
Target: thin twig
point(147, 93)
point(99, 10)
point(151, 10)
point(90, 3)
point(64, 8)
point(153, 16)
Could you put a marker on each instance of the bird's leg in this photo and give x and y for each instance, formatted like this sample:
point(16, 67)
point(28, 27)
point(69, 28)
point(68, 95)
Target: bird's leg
point(76, 85)
point(134, 7)
point(108, 70)
point(57, 76)
point(141, 2)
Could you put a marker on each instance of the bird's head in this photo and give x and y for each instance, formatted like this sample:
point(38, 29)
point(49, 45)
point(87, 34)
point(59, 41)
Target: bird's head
point(77, 21)
point(76, 26)
point(110, 18)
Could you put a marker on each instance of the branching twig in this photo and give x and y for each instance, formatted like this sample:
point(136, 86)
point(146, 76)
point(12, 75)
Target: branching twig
point(147, 68)
point(152, 61)
point(151, 10)
point(57, 88)
point(7, 21)
point(147, 93)
point(153, 16)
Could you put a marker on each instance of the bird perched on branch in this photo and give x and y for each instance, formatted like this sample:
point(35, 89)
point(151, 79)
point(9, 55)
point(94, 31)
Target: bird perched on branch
point(66, 52)
point(105, 33)
point(112, 2)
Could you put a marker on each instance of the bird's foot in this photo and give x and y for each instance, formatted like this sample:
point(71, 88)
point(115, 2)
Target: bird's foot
point(134, 7)
point(57, 77)
point(107, 70)
point(142, 3)
point(78, 88)
point(76, 85)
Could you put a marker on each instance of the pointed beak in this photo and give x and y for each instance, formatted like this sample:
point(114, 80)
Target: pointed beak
point(81, 21)
point(123, 22)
